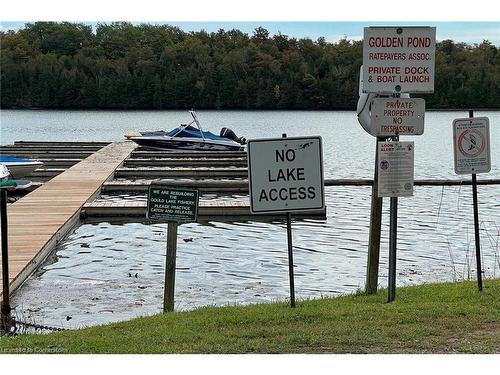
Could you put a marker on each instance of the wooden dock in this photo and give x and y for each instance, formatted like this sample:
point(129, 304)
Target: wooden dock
point(235, 209)
point(160, 172)
point(74, 173)
point(56, 157)
point(42, 218)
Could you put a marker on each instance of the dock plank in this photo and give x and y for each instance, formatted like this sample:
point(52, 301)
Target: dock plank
point(38, 220)
point(207, 210)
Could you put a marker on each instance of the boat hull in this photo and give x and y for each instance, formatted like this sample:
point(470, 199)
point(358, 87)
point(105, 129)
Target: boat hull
point(19, 170)
point(184, 144)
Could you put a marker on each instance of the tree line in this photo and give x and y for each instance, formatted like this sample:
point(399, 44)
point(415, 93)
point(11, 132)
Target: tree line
point(124, 66)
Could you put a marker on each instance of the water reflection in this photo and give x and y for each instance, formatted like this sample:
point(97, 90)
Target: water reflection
point(104, 272)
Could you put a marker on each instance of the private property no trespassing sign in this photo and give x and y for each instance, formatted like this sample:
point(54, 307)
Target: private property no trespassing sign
point(285, 174)
point(397, 116)
point(399, 59)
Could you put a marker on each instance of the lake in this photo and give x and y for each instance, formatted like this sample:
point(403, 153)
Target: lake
point(105, 272)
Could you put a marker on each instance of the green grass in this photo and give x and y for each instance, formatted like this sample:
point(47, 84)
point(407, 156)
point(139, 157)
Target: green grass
point(435, 318)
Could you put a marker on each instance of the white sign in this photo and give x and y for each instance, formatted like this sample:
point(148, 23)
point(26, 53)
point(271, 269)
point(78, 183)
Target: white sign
point(471, 138)
point(285, 174)
point(391, 116)
point(399, 59)
point(396, 166)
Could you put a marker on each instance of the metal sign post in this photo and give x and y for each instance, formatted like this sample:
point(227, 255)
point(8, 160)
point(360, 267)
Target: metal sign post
point(476, 226)
point(472, 154)
point(290, 253)
point(393, 237)
point(285, 176)
point(290, 258)
point(395, 179)
point(173, 206)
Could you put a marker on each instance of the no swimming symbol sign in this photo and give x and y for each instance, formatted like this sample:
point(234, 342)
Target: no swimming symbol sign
point(472, 145)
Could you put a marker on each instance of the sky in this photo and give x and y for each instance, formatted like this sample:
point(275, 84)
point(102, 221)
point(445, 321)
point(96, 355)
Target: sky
point(465, 21)
point(468, 32)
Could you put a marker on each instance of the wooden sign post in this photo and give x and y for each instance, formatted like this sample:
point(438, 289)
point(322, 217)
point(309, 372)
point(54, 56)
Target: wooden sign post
point(169, 288)
point(173, 206)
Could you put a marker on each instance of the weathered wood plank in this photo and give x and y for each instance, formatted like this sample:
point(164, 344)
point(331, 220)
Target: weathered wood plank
point(207, 210)
point(180, 172)
point(40, 219)
point(60, 143)
point(186, 162)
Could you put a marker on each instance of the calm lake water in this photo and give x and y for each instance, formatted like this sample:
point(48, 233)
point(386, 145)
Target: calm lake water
point(107, 272)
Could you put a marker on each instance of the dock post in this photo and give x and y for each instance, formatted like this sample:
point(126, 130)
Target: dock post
point(375, 229)
point(171, 254)
point(5, 255)
point(5, 318)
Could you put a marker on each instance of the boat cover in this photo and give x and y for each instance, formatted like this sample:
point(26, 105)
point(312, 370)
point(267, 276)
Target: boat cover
point(184, 133)
point(14, 159)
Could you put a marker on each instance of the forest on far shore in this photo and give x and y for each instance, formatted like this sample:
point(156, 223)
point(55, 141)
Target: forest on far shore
point(62, 65)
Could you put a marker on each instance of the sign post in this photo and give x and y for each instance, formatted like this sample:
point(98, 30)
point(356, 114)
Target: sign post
point(396, 179)
point(173, 206)
point(472, 154)
point(286, 176)
point(396, 61)
point(393, 241)
point(170, 260)
point(375, 229)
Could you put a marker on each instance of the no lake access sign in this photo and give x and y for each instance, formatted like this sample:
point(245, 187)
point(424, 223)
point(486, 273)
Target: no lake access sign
point(399, 59)
point(285, 174)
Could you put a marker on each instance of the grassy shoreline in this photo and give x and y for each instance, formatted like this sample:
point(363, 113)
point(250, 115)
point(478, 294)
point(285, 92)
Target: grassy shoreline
point(432, 318)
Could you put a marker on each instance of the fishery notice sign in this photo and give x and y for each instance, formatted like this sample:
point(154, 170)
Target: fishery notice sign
point(167, 204)
point(399, 59)
point(396, 169)
point(471, 138)
point(285, 174)
point(391, 116)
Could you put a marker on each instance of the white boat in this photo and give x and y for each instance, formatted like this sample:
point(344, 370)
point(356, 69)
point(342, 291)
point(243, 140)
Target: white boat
point(19, 167)
point(190, 138)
